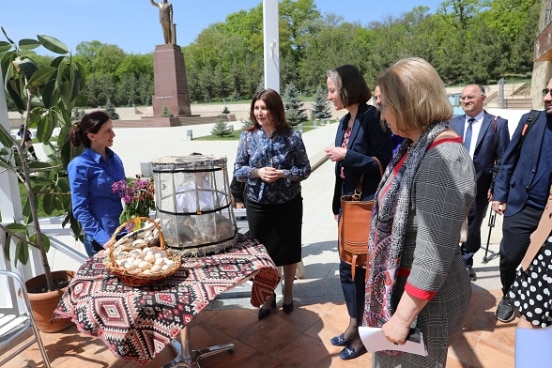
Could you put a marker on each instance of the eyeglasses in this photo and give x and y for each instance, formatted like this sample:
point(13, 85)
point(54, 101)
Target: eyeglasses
point(546, 91)
point(470, 97)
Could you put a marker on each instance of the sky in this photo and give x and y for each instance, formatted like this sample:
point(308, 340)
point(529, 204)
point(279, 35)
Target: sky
point(133, 25)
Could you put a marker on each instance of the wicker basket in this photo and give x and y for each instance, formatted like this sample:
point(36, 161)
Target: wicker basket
point(119, 264)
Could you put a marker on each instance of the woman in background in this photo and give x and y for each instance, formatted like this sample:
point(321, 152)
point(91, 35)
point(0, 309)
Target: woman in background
point(272, 161)
point(91, 175)
point(362, 146)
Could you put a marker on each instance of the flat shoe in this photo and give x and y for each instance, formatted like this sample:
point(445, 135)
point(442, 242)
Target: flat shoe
point(340, 340)
point(471, 274)
point(350, 353)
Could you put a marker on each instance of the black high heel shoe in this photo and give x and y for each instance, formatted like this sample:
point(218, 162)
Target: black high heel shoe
point(288, 308)
point(263, 313)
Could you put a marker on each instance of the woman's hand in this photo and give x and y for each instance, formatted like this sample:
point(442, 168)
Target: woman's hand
point(396, 331)
point(336, 153)
point(269, 174)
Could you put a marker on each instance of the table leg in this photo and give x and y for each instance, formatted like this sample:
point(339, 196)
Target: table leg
point(188, 358)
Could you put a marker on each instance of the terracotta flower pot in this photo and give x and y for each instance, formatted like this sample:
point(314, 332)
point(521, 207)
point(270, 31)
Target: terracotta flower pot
point(44, 303)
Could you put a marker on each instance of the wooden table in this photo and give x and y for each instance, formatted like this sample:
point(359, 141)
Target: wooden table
point(136, 323)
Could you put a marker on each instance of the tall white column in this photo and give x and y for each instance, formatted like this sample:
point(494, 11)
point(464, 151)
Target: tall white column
point(10, 202)
point(271, 45)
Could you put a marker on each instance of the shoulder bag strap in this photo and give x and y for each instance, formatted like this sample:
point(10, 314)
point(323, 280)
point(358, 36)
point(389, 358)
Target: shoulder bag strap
point(379, 165)
point(357, 194)
point(494, 125)
point(358, 190)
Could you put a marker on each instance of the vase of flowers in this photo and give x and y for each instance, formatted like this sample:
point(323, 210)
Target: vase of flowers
point(138, 197)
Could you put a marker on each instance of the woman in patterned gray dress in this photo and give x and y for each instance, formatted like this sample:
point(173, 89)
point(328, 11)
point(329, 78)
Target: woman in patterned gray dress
point(417, 276)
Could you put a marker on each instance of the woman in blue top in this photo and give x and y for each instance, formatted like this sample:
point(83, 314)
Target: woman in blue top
point(91, 175)
point(272, 161)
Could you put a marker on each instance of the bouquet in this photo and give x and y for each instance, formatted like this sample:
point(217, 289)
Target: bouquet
point(138, 198)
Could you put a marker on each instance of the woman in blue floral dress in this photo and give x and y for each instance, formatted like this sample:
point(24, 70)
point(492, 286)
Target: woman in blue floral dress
point(272, 161)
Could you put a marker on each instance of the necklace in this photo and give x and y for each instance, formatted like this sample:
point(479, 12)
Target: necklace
point(351, 122)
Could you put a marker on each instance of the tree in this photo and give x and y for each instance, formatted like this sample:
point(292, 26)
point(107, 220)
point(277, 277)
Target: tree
point(295, 113)
point(320, 107)
point(221, 128)
point(166, 113)
point(110, 110)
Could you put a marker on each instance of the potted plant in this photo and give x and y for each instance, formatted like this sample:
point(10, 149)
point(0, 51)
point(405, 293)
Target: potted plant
point(45, 96)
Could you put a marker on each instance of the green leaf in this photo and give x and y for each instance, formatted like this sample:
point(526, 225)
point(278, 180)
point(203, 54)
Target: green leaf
point(7, 247)
point(6, 35)
point(75, 225)
point(6, 63)
point(48, 204)
point(51, 123)
point(25, 65)
point(53, 44)
point(4, 46)
point(14, 92)
point(63, 185)
point(41, 76)
point(57, 61)
point(49, 95)
point(76, 81)
point(5, 141)
point(21, 253)
point(28, 44)
point(39, 165)
point(17, 228)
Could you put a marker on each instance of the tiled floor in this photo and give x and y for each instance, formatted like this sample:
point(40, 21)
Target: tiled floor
point(300, 339)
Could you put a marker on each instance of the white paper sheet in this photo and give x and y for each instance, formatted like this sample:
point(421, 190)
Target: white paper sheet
point(374, 340)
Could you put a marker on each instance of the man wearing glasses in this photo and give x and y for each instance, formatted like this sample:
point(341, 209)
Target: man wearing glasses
point(521, 192)
point(486, 137)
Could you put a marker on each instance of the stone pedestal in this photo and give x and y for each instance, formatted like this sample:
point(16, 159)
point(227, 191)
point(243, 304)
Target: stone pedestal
point(171, 85)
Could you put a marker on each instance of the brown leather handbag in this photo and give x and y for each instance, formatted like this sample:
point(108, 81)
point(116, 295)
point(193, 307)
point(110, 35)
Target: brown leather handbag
point(354, 227)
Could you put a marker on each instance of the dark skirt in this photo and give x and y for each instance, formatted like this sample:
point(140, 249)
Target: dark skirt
point(278, 228)
point(531, 292)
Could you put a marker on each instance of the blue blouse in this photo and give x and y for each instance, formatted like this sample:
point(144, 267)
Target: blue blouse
point(284, 151)
point(94, 204)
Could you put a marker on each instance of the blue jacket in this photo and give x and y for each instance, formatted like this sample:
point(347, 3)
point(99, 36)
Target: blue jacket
point(514, 181)
point(486, 152)
point(368, 138)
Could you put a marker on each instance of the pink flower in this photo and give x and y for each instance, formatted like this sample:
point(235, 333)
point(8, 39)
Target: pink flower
point(138, 196)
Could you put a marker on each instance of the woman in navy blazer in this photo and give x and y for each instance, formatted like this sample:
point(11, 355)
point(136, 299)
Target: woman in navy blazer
point(361, 141)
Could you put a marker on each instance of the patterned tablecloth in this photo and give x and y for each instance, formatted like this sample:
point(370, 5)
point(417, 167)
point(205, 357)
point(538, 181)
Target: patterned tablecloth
point(136, 323)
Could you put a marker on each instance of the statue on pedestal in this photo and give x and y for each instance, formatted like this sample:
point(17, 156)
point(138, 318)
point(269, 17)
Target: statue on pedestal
point(166, 19)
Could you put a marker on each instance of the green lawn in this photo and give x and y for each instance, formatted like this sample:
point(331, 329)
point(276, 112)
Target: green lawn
point(235, 135)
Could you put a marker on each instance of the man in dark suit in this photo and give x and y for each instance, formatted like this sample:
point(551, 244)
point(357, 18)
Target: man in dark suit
point(486, 137)
point(521, 192)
